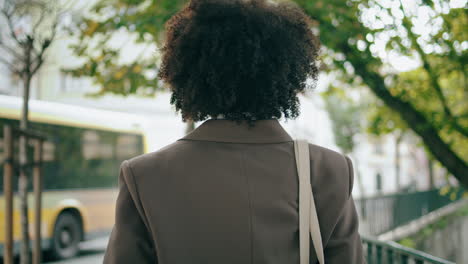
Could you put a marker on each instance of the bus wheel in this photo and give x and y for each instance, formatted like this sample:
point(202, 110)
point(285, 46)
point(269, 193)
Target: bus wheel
point(67, 236)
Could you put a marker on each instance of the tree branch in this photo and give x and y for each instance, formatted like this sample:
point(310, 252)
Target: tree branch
point(416, 121)
point(41, 18)
point(40, 57)
point(432, 76)
point(45, 45)
point(38, 65)
point(10, 66)
point(11, 50)
point(10, 26)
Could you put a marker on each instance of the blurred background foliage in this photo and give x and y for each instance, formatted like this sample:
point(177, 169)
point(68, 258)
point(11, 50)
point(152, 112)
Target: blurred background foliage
point(359, 37)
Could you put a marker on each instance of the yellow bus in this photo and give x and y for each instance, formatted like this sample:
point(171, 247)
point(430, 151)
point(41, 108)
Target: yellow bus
point(80, 170)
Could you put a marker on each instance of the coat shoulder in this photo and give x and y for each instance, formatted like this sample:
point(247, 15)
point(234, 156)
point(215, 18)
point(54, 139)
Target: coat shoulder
point(156, 160)
point(332, 169)
point(329, 154)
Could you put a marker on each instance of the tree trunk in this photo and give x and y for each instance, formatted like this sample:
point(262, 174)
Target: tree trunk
point(23, 178)
point(430, 168)
point(397, 161)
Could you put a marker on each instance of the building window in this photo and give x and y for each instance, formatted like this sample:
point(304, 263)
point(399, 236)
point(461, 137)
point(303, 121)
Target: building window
point(69, 83)
point(378, 148)
point(378, 182)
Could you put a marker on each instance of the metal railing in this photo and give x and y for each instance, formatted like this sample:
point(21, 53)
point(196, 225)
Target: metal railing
point(387, 212)
point(380, 252)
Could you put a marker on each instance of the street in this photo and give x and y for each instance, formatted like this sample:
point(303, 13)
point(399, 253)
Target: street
point(92, 252)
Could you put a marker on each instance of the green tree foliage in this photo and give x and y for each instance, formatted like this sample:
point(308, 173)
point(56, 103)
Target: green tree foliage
point(351, 32)
point(382, 120)
point(434, 110)
point(414, 86)
point(142, 22)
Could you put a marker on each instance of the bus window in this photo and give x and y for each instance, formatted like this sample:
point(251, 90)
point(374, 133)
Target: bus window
point(127, 146)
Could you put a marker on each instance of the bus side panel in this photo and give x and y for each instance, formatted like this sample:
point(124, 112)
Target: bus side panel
point(96, 208)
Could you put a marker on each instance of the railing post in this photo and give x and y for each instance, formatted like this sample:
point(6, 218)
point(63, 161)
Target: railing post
point(389, 252)
point(8, 193)
point(369, 253)
point(37, 184)
point(390, 257)
point(378, 253)
point(404, 259)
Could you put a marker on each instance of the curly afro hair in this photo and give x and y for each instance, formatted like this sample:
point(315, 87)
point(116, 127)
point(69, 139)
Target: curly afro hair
point(241, 59)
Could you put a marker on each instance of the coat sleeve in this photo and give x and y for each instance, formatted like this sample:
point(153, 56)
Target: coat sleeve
point(130, 240)
point(344, 245)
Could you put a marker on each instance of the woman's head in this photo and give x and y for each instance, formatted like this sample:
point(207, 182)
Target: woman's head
point(243, 59)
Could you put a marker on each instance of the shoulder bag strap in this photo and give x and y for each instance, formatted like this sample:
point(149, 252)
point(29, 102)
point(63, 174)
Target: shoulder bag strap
point(308, 220)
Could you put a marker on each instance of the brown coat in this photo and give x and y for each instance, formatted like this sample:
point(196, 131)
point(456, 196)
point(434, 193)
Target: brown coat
point(227, 193)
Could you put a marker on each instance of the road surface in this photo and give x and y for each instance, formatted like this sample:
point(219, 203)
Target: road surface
point(92, 252)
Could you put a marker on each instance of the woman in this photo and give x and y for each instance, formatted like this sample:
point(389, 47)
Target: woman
point(228, 192)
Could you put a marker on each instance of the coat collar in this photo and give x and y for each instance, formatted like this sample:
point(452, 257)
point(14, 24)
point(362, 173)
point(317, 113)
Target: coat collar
point(222, 130)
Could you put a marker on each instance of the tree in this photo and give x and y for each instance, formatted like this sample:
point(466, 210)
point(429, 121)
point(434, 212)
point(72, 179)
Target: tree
point(352, 33)
point(28, 29)
point(384, 120)
point(143, 23)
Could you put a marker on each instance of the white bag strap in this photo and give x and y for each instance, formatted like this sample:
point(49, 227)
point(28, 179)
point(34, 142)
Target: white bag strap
point(308, 220)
